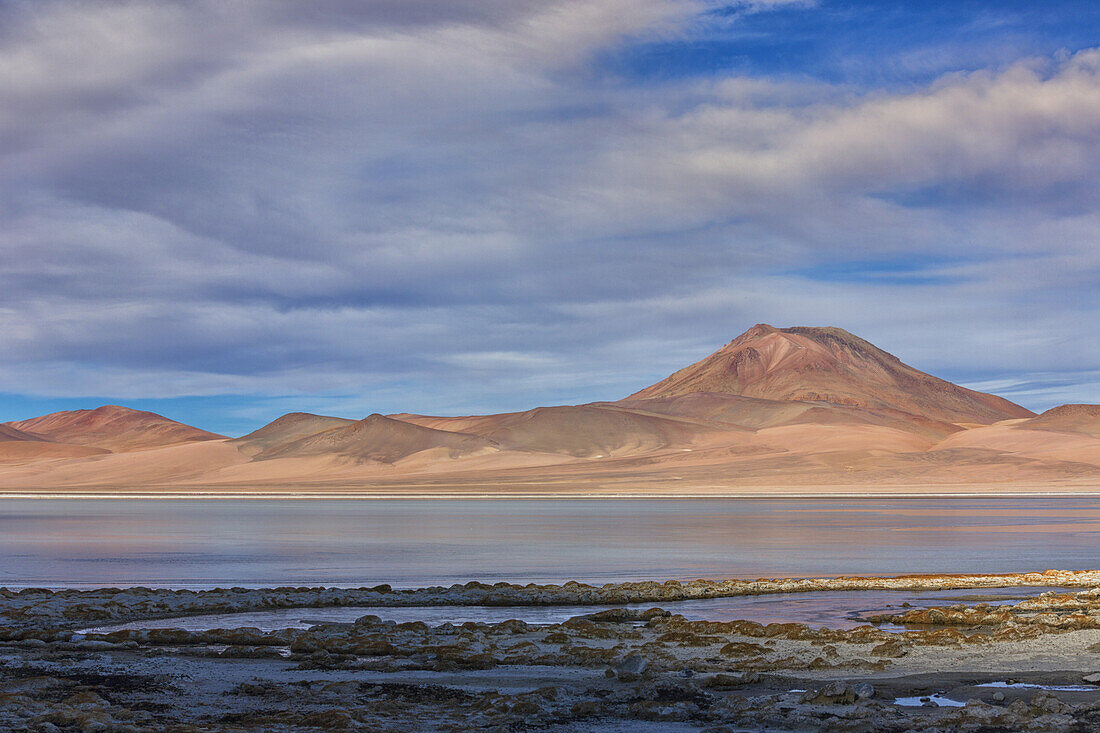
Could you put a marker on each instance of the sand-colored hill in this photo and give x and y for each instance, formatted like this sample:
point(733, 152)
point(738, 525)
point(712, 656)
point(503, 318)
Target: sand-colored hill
point(829, 365)
point(287, 429)
point(798, 410)
point(154, 467)
point(582, 431)
point(1084, 419)
point(753, 413)
point(113, 428)
point(12, 435)
point(17, 447)
point(381, 439)
point(1019, 438)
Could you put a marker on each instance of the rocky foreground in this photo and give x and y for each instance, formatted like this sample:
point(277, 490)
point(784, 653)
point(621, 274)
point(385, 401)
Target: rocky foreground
point(608, 670)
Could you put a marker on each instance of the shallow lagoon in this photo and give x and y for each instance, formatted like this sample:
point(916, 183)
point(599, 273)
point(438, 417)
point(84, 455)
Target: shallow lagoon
point(832, 609)
point(407, 543)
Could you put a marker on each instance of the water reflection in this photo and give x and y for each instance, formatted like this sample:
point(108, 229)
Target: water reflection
point(204, 543)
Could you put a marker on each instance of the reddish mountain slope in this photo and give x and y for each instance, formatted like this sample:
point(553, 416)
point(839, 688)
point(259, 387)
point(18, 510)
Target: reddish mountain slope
point(113, 428)
point(8, 433)
point(829, 365)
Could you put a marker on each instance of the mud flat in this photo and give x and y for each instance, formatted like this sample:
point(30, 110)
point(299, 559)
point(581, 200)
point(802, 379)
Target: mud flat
point(1028, 666)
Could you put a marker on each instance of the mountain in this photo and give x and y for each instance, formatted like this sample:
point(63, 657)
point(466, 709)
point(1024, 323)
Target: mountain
point(380, 439)
point(111, 427)
point(754, 413)
point(580, 431)
point(290, 427)
point(793, 410)
point(9, 433)
point(829, 365)
point(1084, 419)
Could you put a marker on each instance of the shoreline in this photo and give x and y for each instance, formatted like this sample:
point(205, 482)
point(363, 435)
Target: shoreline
point(1026, 666)
point(901, 494)
point(121, 604)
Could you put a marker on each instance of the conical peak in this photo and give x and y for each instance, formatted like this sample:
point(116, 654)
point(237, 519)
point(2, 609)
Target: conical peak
point(827, 364)
point(757, 331)
point(760, 329)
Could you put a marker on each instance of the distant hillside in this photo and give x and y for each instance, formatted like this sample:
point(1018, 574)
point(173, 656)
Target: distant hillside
point(581, 431)
point(290, 427)
point(1084, 419)
point(381, 439)
point(113, 428)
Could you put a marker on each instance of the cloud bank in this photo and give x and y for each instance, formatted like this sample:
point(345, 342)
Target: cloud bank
point(465, 207)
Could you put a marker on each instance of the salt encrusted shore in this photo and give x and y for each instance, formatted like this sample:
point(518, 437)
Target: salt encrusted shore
point(608, 670)
point(44, 607)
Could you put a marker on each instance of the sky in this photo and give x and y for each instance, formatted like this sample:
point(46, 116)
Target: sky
point(226, 210)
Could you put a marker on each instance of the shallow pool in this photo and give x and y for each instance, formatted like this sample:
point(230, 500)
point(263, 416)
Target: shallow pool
point(833, 609)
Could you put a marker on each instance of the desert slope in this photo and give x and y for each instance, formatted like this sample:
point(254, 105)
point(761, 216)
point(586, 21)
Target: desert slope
point(829, 365)
point(18, 447)
point(287, 429)
point(1083, 419)
point(381, 439)
point(581, 431)
point(113, 428)
point(9, 434)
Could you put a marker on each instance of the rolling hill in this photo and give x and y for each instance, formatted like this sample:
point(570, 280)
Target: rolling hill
point(112, 428)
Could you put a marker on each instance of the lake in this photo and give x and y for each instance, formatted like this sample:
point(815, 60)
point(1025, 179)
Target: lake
point(207, 543)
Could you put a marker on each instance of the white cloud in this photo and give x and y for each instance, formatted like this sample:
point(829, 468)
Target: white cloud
point(274, 198)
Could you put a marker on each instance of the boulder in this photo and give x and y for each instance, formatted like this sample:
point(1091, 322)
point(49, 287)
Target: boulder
point(839, 693)
point(631, 668)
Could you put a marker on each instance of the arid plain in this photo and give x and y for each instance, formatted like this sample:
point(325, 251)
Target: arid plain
point(800, 411)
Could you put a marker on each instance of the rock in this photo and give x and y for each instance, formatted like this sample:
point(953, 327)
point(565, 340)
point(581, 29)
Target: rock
point(728, 681)
point(1045, 702)
point(1092, 679)
point(587, 709)
point(863, 690)
point(742, 649)
point(892, 649)
point(999, 696)
point(631, 668)
point(835, 693)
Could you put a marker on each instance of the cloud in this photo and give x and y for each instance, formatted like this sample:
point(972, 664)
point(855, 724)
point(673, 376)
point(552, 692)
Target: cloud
point(402, 202)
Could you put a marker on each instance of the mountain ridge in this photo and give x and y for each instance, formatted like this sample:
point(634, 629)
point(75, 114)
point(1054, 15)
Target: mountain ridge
point(773, 410)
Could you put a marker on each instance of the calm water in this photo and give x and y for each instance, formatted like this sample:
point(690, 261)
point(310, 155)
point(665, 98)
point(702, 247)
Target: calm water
point(197, 543)
point(836, 610)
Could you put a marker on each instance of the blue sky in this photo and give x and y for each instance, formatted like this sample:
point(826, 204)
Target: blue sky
point(228, 211)
point(865, 44)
